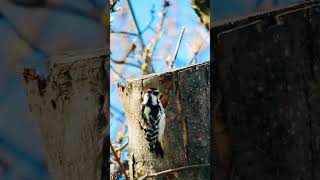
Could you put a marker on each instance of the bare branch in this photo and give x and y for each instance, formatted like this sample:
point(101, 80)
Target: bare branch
point(163, 14)
point(177, 47)
point(124, 62)
point(13, 148)
point(32, 3)
point(195, 54)
point(148, 53)
point(173, 170)
point(123, 32)
point(113, 5)
point(150, 22)
point(116, 110)
point(119, 162)
point(115, 71)
point(135, 23)
point(21, 36)
point(94, 16)
point(113, 161)
point(122, 147)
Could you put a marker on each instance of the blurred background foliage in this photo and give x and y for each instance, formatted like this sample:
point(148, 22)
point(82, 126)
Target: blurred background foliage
point(30, 31)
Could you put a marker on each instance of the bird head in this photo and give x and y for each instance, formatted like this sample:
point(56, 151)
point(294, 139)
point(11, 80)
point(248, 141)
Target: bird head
point(153, 91)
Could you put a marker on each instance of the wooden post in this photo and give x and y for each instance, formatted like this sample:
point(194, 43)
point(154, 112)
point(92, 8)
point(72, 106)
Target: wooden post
point(68, 107)
point(267, 72)
point(185, 97)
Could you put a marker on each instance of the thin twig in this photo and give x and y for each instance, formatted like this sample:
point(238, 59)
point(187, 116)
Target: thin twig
point(8, 146)
point(135, 23)
point(124, 32)
point(148, 52)
point(177, 47)
point(34, 47)
point(115, 71)
point(173, 170)
point(123, 170)
point(94, 16)
point(113, 5)
point(150, 22)
point(163, 14)
point(113, 161)
point(124, 62)
point(195, 54)
point(37, 3)
point(122, 147)
point(119, 111)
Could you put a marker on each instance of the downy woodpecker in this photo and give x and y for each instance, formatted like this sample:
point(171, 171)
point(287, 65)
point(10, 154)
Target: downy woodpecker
point(154, 120)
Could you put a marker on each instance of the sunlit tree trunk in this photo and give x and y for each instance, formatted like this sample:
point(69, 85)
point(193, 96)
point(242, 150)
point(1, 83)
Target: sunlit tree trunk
point(185, 97)
point(68, 108)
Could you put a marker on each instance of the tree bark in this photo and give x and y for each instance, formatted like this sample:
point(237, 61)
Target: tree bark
point(68, 107)
point(266, 70)
point(185, 97)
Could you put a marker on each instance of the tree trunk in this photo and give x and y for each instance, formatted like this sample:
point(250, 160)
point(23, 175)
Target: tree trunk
point(266, 70)
point(185, 97)
point(68, 107)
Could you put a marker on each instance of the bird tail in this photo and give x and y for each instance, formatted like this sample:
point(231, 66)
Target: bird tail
point(156, 148)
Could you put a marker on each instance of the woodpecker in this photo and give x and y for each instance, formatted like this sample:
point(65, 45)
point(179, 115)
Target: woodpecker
point(154, 120)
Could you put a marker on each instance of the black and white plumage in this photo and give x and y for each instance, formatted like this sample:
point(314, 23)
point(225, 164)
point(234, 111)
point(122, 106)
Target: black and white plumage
point(154, 120)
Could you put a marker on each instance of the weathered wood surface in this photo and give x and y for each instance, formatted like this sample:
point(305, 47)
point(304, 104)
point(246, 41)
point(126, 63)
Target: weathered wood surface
point(266, 71)
point(67, 106)
point(185, 97)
